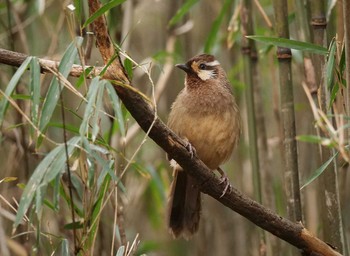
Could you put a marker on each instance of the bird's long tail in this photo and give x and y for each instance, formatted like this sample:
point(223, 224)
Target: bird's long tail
point(184, 205)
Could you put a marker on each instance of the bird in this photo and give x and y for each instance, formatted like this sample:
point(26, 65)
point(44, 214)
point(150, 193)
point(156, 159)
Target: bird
point(206, 116)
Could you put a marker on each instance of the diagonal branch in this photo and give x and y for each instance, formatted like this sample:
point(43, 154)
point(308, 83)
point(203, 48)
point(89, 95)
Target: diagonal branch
point(143, 112)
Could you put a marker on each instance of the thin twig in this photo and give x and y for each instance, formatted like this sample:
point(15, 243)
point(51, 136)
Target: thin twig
point(70, 185)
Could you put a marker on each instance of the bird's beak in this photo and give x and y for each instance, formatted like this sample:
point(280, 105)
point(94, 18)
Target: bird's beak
point(184, 67)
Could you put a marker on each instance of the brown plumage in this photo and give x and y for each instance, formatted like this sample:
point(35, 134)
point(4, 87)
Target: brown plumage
point(206, 115)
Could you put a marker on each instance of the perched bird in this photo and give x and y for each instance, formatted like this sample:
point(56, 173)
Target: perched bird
point(204, 114)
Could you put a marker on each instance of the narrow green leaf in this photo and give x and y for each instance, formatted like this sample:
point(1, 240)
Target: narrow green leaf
point(106, 7)
point(69, 127)
point(288, 43)
point(39, 197)
point(97, 209)
point(11, 87)
point(46, 171)
point(121, 251)
point(8, 179)
point(330, 65)
point(56, 192)
point(65, 247)
point(35, 89)
point(53, 93)
point(90, 157)
point(342, 63)
point(311, 138)
point(182, 11)
point(98, 107)
point(316, 139)
point(213, 34)
point(78, 9)
point(74, 225)
point(116, 107)
point(334, 92)
point(83, 76)
point(91, 98)
point(128, 67)
point(319, 171)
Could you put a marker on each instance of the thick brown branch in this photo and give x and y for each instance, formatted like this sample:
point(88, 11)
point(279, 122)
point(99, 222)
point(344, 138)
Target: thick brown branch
point(143, 112)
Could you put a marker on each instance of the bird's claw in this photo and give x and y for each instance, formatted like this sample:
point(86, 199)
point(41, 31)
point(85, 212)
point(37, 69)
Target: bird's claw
point(190, 149)
point(224, 180)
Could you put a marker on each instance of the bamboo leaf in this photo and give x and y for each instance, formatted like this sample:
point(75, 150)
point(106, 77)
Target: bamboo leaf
point(78, 9)
point(89, 110)
point(8, 179)
point(51, 166)
point(97, 208)
point(213, 34)
point(121, 251)
point(330, 65)
point(53, 93)
point(12, 86)
point(35, 89)
point(116, 107)
point(106, 7)
point(65, 247)
point(97, 110)
point(182, 11)
point(128, 67)
point(319, 171)
point(83, 76)
point(310, 138)
point(288, 43)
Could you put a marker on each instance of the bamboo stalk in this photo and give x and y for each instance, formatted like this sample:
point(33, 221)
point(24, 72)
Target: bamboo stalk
point(284, 56)
point(249, 58)
point(346, 20)
point(332, 229)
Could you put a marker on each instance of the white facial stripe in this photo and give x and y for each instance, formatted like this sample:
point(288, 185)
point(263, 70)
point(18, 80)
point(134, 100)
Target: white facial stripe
point(206, 74)
point(212, 63)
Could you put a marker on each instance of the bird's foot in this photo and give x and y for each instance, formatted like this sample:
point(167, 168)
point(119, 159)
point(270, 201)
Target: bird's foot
point(190, 148)
point(224, 180)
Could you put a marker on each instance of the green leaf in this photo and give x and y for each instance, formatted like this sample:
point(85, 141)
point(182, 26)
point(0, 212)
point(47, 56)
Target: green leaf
point(128, 67)
point(51, 166)
point(98, 107)
point(54, 91)
point(65, 247)
point(11, 87)
point(116, 107)
point(311, 138)
point(213, 34)
point(74, 225)
point(342, 63)
point(83, 76)
point(182, 11)
point(8, 179)
point(330, 65)
point(121, 251)
point(35, 89)
point(319, 171)
point(334, 92)
point(106, 7)
point(78, 9)
point(288, 43)
point(89, 110)
point(97, 208)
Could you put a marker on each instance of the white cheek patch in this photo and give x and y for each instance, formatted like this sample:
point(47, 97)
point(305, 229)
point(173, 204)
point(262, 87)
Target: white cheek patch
point(206, 74)
point(213, 63)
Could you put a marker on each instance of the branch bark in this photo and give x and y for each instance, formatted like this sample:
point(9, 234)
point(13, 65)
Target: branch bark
point(144, 113)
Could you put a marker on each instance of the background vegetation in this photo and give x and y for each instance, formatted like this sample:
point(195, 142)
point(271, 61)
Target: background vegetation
point(120, 179)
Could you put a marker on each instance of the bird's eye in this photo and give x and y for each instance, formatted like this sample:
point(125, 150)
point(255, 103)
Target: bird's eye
point(202, 66)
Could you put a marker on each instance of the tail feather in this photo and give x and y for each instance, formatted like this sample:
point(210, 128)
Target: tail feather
point(184, 205)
